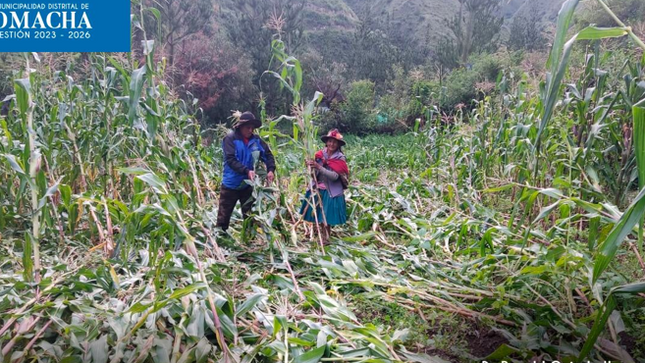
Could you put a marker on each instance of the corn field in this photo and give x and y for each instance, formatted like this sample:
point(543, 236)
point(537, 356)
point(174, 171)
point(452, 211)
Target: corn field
point(513, 232)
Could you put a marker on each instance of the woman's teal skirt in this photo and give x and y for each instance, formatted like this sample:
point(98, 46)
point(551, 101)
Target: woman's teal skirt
point(335, 208)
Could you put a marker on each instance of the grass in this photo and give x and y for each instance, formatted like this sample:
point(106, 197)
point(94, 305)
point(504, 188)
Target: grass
point(424, 329)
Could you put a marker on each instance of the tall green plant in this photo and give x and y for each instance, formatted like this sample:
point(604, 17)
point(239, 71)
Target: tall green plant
point(604, 312)
point(559, 59)
point(638, 112)
point(290, 76)
point(26, 108)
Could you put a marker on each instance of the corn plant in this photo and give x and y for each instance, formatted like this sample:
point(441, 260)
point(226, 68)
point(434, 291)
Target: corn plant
point(560, 53)
point(639, 146)
point(304, 131)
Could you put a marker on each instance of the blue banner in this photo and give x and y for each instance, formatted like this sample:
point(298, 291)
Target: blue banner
point(64, 25)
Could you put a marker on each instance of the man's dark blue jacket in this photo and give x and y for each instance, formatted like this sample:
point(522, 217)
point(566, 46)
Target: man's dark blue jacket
point(238, 158)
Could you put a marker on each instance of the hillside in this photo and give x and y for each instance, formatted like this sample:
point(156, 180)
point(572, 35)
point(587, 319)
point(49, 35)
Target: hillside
point(548, 9)
point(425, 19)
point(329, 15)
point(331, 24)
point(422, 18)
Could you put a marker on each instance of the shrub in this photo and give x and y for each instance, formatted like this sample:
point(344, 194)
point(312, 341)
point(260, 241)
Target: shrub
point(215, 73)
point(330, 118)
point(424, 94)
point(355, 114)
point(394, 106)
point(486, 66)
point(461, 84)
point(459, 88)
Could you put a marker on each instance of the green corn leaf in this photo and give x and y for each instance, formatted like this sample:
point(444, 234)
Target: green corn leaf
point(278, 323)
point(594, 228)
point(598, 326)
point(50, 192)
point(162, 350)
point(545, 211)
point(15, 164)
point(72, 359)
point(99, 350)
point(27, 257)
point(359, 238)
point(66, 194)
point(559, 59)
point(249, 304)
point(311, 356)
point(23, 88)
point(498, 189)
point(309, 109)
point(301, 342)
point(177, 294)
point(155, 182)
point(552, 192)
point(553, 64)
point(283, 81)
point(139, 308)
point(565, 15)
point(621, 230)
point(136, 87)
point(605, 311)
point(501, 353)
point(156, 13)
point(634, 288)
point(123, 72)
point(134, 171)
point(593, 33)
point(638, 111)
point(203, 350)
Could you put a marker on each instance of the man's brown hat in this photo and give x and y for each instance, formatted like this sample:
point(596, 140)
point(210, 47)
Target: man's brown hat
point(248, 117)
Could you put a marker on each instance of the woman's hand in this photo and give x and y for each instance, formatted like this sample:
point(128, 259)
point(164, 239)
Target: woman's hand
point(313, 164)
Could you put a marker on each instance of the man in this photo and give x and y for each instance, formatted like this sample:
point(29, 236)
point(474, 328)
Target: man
point(242, 148)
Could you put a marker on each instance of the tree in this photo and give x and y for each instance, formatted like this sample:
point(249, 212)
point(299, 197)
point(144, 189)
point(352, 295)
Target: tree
point(474, 29)
point(178, 19)
point(379, 45)
point(526, 32)
point(203, 64)
point(373, 52)
point(250, 25)
point(328, 80)
point(626, 10)
point(210, 69)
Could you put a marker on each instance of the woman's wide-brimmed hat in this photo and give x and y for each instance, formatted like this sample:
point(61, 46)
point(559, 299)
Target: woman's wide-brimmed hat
point(246, 118)
point(334, 134)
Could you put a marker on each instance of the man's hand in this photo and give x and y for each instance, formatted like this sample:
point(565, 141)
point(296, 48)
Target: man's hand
point(251, 175)
point(270, 177)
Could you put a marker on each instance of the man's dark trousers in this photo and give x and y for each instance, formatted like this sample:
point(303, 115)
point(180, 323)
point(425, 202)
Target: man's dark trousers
point(228, 199)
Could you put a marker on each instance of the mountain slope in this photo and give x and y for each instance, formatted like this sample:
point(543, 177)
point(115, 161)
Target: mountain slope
point(424, 19)
point(331, 24)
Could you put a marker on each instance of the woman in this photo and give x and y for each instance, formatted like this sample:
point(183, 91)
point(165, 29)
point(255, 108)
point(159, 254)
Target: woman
point(331, 175)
